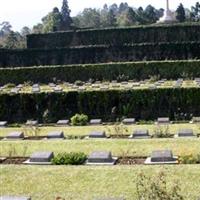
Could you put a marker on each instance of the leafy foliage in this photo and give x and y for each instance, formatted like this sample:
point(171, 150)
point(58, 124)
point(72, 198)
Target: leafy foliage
point(157, 187)
point(79, 120)
point(71, 158)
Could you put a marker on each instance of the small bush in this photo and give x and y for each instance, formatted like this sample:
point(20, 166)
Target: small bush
point(162, 132)
point(157, 188)
point(189, 159)
point(79, 83)
point(79, 120)
point(69, 159)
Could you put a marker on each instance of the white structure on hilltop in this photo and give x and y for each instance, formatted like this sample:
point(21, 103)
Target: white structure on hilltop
point(168, 16)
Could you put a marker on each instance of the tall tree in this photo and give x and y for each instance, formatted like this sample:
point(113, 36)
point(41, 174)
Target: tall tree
point(5, 28)
point(180, 13)
point(66, 19)
point(52, 22)
point(127, 18)
point(195, 12)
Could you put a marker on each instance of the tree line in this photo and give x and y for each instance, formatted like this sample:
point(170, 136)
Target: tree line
point(109, 16)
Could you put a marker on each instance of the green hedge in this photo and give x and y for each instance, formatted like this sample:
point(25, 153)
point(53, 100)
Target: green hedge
point(142, 104)
point(100, 54)
point(116, 36)
point(109, 71)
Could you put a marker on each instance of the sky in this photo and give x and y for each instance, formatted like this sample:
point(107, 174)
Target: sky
point(22, 13)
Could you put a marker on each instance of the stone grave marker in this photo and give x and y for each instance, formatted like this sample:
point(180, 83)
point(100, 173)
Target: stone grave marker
point(97, 134)
point(63, 122)
point(101, 158)
point(128, 121)
point(162, 157)
point(3, 124)
point(15, 135)
point(32, 123)
point(95, 121)
point(185, 133)
point(40, 158)
point(55, 135)
point(163, 120)
point(140, 133)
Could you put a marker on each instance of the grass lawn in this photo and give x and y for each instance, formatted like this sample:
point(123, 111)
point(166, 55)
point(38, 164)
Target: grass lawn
point(87, 183)
point(119, 147)
point(85, 130)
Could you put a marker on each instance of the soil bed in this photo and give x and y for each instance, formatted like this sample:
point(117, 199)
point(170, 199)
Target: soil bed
point(131, 160)
point(14, 160)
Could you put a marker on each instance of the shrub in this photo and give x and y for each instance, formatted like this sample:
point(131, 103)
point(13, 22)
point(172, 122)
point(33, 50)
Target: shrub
point(71, 158)
point(79, 120)
point(189, 159)
point(162, 132)
point(157, 188)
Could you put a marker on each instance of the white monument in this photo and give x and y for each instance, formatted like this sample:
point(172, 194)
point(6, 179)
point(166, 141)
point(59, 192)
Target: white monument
point(168, 16)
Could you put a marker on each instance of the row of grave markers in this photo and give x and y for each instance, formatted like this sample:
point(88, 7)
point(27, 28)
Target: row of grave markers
point(137, 134)
point(103, 158)
point(98, 85)
point(126, 121)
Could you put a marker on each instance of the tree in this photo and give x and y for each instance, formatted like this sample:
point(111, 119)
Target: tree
point(38, 28)
point(151, 14)
point(180, 13)
point(127, 18)
point(89, 18)
point(12, 41)
point(195, 12)
point(52, 22)
point(25, 31)
point(5, 28)
point(107, 17)
point(65, 13)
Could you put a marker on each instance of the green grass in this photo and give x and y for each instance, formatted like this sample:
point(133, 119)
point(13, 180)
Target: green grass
point(118, 147)
point(87, 183)
point(85, 130)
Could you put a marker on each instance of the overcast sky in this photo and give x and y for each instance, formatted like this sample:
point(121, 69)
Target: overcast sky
point(29, 12)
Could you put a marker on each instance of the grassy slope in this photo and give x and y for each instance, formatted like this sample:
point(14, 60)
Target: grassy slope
point(116, 146)
point(87, 183)
point(85, 130)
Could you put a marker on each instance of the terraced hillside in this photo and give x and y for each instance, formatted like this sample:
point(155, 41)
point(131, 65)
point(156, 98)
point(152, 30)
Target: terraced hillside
point(128, 80)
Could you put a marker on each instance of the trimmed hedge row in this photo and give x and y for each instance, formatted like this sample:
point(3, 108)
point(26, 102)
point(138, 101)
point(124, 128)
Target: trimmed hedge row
point(110, 71)
point(100, 54)
point(108, 105)
point(116, 36)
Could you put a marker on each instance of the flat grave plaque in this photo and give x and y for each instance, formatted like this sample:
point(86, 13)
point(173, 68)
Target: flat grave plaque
point(101, 158)
point(97, 134)
point(140, 133)
point(32, 122)
point(55, 135)
point(162, 157)
point(40, 158)
point(95, 121)
point(15, 135)
point(128, 121)
point(63, 122)
point(3, 123)
point(163, 120)
point(185, 133)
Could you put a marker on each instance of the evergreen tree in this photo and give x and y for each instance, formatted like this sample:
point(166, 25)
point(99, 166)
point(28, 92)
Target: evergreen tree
point(195, 12)
point(66, 19)
point(53, 21)
point(180, 13)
